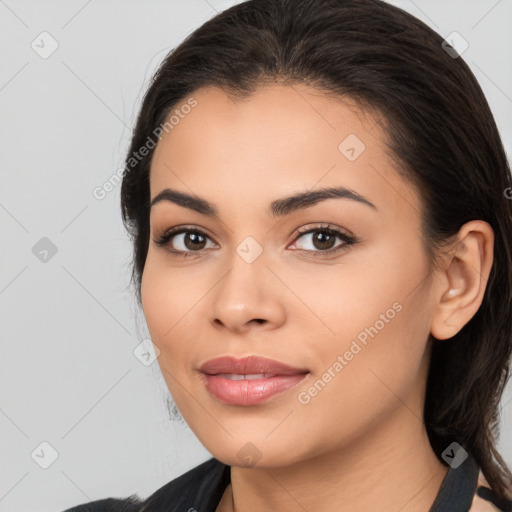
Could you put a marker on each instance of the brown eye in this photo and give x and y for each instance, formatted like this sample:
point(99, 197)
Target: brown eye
point(194, 241)
point(183, 240)
point(322, 240)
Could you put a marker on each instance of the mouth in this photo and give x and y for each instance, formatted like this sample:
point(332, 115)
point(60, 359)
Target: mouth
point(237, 376)
point(249, 381)
point(250, 365)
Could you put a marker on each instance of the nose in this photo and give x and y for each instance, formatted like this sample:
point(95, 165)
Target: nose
point(248, 295)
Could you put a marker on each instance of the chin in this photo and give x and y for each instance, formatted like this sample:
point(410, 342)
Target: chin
point(257, 454)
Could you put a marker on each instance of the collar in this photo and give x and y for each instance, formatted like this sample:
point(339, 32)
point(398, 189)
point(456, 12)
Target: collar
point(201, 489)
point(458, 488)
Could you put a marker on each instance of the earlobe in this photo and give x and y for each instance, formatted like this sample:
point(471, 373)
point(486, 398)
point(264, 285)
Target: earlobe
point(461, 285)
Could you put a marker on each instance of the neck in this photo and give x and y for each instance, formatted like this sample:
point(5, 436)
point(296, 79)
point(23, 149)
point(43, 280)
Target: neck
point(391, 467)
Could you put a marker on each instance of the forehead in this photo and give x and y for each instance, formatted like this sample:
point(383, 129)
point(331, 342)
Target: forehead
point(277, 139)
point(307, 116)
point(299, 108)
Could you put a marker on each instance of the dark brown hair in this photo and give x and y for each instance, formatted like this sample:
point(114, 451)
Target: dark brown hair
point(440, 132)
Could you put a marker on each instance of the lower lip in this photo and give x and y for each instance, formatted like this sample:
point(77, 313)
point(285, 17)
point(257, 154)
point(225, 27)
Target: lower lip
point(250, 392)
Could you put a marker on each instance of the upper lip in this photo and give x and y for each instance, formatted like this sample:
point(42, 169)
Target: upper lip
point(249, 366)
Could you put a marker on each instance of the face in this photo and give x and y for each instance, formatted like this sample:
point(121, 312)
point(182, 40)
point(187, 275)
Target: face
point(335, 285)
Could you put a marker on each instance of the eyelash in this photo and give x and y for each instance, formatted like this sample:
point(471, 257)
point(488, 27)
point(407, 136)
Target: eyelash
point(348, 240)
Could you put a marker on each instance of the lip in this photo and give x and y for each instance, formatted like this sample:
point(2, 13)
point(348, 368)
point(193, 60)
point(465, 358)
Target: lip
point(249, 365)
point(280, 378)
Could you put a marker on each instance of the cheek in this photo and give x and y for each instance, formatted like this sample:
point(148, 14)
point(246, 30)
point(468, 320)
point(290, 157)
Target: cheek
point(155, 300)
point(375, 316)
point(359, 384)
point(162, 311)
point(171, 301)
point(366, 288)
point(167, 296)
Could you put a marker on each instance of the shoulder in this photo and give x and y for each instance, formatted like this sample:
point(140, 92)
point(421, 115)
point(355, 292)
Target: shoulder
point(202, 484)
point(198, 489)
point(485, 500)
point(131, 504)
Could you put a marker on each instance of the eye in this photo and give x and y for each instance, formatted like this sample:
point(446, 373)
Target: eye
point(321, 239)
point(183, 240)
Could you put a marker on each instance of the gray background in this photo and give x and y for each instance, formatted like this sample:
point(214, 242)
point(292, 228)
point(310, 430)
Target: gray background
point(69, 324)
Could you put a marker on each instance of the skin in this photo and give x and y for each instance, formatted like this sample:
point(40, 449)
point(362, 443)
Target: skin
point(360, 443)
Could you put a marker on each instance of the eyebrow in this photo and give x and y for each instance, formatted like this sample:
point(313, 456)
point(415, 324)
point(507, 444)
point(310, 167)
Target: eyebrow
point(278, 208)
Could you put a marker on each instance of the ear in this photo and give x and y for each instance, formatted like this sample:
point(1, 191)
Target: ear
point(462, 280)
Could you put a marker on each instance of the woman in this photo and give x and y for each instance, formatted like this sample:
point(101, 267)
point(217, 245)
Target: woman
point(319, 203)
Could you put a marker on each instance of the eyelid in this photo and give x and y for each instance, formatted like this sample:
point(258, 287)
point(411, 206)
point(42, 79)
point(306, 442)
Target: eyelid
point(321, 227)
point(346, 236)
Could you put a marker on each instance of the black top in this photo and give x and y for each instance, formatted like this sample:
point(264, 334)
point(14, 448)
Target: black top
point(201, 488)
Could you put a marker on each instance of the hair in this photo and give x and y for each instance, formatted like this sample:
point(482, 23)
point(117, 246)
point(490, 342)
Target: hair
point(440, 132)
